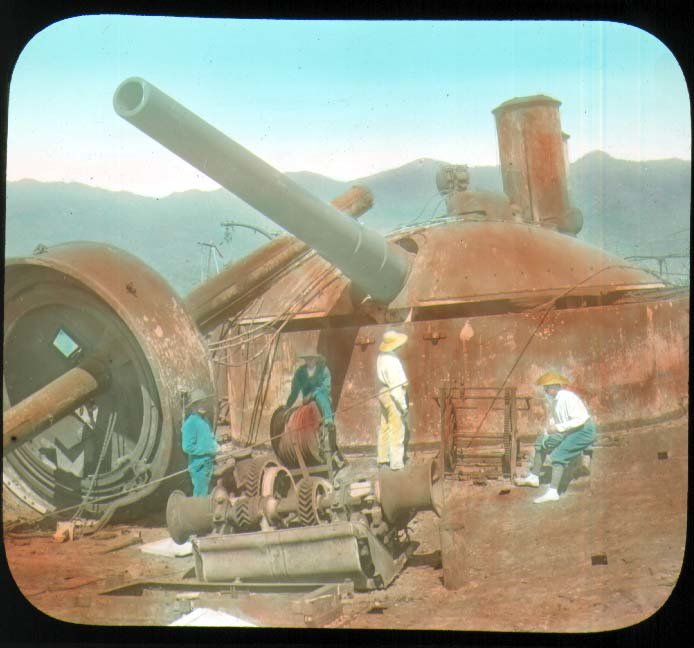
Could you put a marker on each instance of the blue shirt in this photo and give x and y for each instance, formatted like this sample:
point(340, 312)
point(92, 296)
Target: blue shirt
point(309, 385)
point(198, 437)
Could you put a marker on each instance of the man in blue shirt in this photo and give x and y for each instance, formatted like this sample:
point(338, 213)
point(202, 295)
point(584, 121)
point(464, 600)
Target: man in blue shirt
point(199, 442)
point(312, 381)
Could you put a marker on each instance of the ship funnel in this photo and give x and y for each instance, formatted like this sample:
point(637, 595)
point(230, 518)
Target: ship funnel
point(533, 161)
point(376, 266)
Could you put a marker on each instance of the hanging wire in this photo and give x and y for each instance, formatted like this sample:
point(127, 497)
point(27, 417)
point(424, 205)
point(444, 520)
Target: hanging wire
point(548, 305)
point(273, 277)
point(424, 207)
point(299, 300)
point(110, 426)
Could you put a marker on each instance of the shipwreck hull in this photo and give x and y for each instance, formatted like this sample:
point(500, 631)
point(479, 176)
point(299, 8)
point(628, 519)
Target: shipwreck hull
point(629, 361)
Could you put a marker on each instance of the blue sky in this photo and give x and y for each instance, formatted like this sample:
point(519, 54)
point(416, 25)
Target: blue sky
point(343, 98)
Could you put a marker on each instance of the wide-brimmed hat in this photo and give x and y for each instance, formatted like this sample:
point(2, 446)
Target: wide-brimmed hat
point(392, 340)
point(198, 396)
point(306, 356)
point(551, 378)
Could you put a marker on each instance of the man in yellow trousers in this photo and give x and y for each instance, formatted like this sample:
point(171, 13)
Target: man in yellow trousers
point(392, 397)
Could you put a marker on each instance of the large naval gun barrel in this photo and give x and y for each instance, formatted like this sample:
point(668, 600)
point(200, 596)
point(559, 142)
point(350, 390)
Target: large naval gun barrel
point(376, 266)
point(236, 285)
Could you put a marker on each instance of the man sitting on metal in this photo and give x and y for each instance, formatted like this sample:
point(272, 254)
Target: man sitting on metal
point(393, 400)
point(312, 381)
point(569, 432)
point(199, 442)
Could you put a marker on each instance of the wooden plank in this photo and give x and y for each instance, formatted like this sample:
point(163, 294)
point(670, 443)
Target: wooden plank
point(122, 544)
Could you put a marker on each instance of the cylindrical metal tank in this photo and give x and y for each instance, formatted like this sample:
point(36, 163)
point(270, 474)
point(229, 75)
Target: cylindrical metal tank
point(375, 266)
point(532, 156)
point(71, 303)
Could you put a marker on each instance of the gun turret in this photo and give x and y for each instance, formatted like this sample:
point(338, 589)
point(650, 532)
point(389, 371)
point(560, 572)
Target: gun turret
point(374, 265)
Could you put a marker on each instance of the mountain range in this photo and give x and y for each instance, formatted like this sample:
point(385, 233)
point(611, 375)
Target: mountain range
point(629, 208)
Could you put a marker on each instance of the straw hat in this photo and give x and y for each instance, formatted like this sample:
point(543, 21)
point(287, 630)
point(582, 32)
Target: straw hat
point(551, 378)
point(392, 340)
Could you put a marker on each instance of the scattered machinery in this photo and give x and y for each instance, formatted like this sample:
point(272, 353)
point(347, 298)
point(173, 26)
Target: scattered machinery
point(99, 351)
point(100, 355)
point(266, 520)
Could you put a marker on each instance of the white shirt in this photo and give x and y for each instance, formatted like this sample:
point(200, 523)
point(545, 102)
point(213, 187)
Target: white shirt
point(566, 411)
point(392, 376)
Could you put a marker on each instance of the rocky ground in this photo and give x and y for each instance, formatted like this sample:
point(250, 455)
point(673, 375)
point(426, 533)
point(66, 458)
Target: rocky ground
point(607, 555)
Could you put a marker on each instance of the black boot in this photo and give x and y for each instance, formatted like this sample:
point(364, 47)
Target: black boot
point(338, 459)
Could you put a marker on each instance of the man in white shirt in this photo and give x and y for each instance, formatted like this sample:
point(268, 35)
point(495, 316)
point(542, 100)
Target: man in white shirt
point(393, 400)
point(569, 432)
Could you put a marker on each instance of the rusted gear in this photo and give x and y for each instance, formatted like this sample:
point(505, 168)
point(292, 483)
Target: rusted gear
point(310, 492)
point(277, 482)
point(253, 478)
point(245, 514)
point(240, 516)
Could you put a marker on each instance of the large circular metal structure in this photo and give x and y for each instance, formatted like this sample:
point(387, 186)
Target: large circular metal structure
point(72, 303)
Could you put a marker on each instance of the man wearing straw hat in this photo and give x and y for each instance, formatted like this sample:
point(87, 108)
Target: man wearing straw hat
point(199, 442)
point(569, 432)
point(312, 381)
point(393, 400)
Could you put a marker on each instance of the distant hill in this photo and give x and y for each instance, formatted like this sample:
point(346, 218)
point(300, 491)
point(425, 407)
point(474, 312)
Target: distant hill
point(630, 208)
point(633, 207)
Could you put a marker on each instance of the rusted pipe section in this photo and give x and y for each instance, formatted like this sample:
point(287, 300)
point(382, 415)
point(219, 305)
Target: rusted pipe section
point(236, 286)
point(376, 266)
point(57, 399)
point(533, 161)
point(417, 487)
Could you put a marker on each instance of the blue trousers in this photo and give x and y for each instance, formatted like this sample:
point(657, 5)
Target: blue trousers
point(562, 448)
point(200, 468)
point(323, 401)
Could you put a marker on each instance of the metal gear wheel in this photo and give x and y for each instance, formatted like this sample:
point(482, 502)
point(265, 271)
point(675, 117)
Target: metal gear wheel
point(310, 492)
point(253, 477)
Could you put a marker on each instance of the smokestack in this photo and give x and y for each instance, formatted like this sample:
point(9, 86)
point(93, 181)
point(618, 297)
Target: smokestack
point(534, 162)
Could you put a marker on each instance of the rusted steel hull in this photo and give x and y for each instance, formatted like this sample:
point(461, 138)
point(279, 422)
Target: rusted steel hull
point(234, 287)
point(460, 263)
point(478, 292)
point(629, 361)
point(107, 301)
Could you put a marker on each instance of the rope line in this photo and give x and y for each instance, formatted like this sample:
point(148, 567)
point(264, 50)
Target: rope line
point(110, 426)
point(550, 304)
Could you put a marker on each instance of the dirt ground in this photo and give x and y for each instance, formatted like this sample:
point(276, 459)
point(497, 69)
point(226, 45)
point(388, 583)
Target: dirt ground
point(606, 555)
